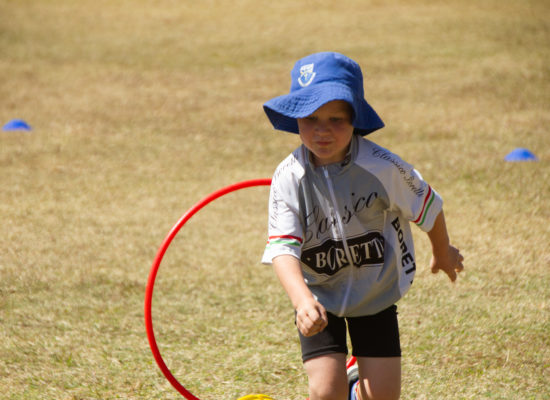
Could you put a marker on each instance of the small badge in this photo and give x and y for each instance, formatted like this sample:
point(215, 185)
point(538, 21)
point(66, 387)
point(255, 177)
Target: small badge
point(306, 75)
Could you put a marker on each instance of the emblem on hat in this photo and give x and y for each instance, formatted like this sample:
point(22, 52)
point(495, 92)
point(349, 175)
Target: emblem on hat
point(306, 75)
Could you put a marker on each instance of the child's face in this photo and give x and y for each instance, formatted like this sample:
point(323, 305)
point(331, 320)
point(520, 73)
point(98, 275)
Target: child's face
point(327, 132)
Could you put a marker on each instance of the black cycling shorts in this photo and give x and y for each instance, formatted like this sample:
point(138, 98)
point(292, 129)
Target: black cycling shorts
point(371, 336)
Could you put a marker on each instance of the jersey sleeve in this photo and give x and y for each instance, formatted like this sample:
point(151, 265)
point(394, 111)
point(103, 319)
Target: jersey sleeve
point(285, 234)
point(414, 197)
point(409, 194)
point(428, 208)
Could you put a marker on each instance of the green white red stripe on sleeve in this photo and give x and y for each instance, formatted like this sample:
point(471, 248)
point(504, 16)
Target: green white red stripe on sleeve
point(287, 240)
point(428, 201)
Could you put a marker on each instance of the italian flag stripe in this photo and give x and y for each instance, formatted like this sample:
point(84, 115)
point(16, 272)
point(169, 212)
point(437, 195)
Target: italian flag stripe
point(427, 203)
point(285, 239)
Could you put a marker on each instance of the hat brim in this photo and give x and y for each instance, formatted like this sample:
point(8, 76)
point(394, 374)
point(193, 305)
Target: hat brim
point(283, 111)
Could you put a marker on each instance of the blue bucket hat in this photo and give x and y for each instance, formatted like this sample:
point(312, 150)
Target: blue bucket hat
point(316, 80)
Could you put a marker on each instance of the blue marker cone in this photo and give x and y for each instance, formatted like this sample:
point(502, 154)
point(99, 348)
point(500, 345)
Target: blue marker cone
point(17, 125)
point(520, 154)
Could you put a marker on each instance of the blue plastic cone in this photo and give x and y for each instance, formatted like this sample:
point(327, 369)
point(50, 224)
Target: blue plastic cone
point(521, 154)
point(17, 125)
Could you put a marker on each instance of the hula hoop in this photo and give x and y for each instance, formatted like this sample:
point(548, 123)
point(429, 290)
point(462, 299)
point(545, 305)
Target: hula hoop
point(156, 264)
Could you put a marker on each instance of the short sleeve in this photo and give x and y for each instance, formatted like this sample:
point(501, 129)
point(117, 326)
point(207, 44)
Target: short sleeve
point(415, 199)
point(285, 233)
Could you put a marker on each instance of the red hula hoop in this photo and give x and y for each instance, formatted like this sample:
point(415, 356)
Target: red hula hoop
point(156, 264)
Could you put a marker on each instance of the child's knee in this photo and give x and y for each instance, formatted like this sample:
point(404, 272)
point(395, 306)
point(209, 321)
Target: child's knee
point(327, 392)
point(381, 378)
point(381, 391)
point(327, 377)
point(328, 388)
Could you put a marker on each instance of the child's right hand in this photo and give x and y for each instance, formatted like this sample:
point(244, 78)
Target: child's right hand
point(311, 317)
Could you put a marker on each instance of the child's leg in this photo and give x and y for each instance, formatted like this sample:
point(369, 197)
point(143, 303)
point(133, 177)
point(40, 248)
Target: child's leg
point(324, 357)
point(327, 377)
point(375, 341)
point(380, 377)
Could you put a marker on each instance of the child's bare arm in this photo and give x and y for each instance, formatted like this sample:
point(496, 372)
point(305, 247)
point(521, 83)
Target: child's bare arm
point(445, 256)
point(311, 317)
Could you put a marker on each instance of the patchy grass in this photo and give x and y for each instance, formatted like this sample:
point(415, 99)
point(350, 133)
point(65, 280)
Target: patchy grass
point(139, 109)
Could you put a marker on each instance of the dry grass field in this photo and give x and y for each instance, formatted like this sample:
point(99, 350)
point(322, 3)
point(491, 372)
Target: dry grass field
point(141, 108)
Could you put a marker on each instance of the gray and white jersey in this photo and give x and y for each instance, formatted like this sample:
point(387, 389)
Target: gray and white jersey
point(348, 224)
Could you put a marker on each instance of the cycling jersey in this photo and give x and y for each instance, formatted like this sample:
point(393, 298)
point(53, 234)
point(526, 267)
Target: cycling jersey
point(348, 224)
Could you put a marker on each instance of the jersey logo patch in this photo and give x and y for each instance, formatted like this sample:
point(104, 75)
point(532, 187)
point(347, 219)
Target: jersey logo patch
point(330, 257)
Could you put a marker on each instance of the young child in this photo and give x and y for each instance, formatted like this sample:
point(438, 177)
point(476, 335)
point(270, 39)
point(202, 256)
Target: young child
point(339, 235)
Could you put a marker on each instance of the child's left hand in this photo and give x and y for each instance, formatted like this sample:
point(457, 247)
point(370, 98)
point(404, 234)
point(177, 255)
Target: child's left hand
point(449, 262)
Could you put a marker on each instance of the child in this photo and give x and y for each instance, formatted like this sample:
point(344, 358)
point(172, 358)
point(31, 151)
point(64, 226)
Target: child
point(339, 235)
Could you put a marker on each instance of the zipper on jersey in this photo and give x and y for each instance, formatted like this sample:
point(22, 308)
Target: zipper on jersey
point(337, 215)
point(339, 224)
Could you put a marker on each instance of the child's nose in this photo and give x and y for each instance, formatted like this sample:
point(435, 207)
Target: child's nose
point(321, 127)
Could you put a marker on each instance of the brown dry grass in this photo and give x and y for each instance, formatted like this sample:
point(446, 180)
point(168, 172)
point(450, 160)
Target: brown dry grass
point(140, 109)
